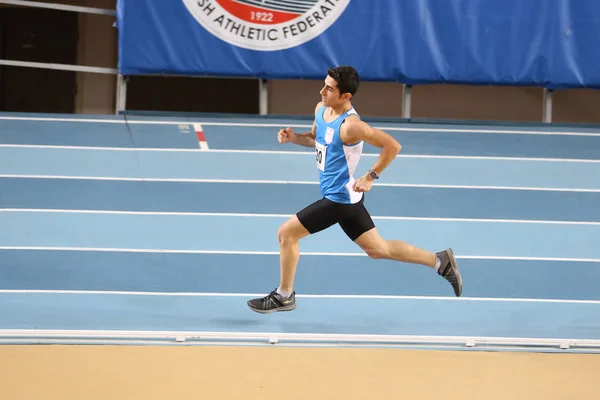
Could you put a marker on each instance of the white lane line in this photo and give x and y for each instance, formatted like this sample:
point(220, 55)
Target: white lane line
point(262, 215)
point(131, 179)
point(203, 149)
point(273, 253)
point(540, 131)
point(420, 156)
point(308, 296)
point(292, 182)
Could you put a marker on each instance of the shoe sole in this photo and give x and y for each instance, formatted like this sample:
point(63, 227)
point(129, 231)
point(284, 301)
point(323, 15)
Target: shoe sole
point(456, 270)
point(273, 310)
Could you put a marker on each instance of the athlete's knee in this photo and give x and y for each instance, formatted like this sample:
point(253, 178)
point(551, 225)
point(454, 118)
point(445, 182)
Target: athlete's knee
point(290, 232)
point(284, 235)
point(373, 245)
point(376, 248)
point(376, 252)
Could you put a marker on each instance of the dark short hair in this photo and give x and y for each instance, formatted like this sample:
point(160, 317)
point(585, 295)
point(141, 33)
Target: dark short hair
point(346, 78)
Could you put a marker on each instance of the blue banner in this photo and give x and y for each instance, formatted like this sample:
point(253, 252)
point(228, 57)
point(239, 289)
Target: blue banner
point(548, 43)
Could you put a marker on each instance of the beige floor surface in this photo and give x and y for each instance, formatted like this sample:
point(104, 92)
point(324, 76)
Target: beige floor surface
point(198, 372)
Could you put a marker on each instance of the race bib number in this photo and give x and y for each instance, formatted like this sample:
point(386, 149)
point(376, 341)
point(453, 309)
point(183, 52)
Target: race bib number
point(321, 155)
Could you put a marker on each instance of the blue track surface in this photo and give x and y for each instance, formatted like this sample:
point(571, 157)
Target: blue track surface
point(293, 168)
point(114, 225)
point(213, 273)
point(389, 201)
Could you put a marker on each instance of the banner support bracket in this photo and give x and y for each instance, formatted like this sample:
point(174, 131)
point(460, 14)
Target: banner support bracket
point(406, 100)
point(547, 110)
point(263, 97)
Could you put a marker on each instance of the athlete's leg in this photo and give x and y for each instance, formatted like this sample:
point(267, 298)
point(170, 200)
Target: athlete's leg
point(376, 247)
point(289, 235)
point(361, 229)
point(443, 262)
point(316, 217)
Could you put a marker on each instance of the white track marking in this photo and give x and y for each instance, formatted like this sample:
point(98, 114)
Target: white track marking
point(273, 253)
point(282, 182)
point(204, 148)
point(190, 180)
point(259, 215)
point(420, 156)
point(308, 296)
point(283, 123)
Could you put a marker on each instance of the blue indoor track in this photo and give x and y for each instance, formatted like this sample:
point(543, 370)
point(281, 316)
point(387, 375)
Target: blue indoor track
point(126, 229)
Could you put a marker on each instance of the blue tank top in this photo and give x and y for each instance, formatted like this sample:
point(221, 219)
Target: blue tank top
point(336, 161)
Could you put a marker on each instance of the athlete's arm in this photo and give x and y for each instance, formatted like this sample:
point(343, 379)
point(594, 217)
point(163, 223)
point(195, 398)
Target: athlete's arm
point(306, 139)
point(356, 130)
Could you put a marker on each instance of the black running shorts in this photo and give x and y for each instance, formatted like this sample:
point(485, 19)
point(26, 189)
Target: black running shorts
point(354, 219)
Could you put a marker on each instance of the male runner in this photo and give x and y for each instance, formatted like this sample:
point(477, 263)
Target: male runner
point(337, 135)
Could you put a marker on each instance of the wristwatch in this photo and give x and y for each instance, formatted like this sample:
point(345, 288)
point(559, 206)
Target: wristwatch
point(373, 174)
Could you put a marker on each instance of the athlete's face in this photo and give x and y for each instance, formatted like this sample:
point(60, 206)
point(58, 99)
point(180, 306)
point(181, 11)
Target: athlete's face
point(330, 94)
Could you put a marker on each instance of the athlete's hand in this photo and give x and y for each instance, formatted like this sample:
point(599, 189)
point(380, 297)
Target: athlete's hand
point(363, 184)
point(285, 135)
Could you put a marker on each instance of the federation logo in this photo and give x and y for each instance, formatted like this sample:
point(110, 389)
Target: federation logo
point(266, 25)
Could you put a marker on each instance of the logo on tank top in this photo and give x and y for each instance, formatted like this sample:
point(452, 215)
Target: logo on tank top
point(266, 25)
point(329, 135)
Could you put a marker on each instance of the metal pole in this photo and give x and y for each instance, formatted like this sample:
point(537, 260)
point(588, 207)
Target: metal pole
point(63, 7)
point(60, 67)
point(121, 93)
point(263, 97)
point(406, 100)
point(547, 110)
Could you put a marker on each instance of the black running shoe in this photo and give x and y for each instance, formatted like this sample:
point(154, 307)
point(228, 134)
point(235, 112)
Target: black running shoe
point(273, 302)
point(449, 270)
